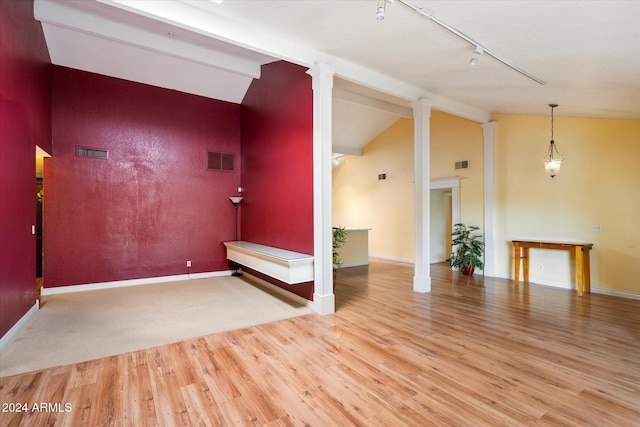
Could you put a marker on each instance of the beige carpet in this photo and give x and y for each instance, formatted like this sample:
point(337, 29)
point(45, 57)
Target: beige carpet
point(76, 327)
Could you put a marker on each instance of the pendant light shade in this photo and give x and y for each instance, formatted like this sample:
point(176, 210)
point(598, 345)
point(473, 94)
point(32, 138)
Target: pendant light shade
point(553, 160)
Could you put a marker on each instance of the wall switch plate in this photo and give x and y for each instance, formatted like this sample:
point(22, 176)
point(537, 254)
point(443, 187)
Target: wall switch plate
point(595, 228)
point(188, 264)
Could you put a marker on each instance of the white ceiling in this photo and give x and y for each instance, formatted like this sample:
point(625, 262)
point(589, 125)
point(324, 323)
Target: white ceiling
point(586, 52)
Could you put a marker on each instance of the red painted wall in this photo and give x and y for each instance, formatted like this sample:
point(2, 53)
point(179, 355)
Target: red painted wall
point(25, 121)
point(277, 162)
point(152, 205)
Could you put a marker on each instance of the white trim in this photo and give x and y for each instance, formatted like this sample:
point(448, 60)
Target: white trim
point(354, 264)
point(393, 258)
point(451, 182)
point(19, 324)
point(347, 150)
point(421, 119)
point(322, 85)
point(131, 282)
point(571, 286)
point(375, 104)
point(488, 132)
point(454, 184)
point(277, 289)
point(613, 293)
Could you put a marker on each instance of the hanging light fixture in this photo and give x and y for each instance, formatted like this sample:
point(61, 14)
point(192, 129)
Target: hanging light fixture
point(554, 159)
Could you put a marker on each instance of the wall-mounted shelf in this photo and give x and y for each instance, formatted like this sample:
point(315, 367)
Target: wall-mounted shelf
point(287, 266)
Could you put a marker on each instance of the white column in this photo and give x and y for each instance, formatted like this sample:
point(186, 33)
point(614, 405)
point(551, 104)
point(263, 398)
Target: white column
point(488, 130)
point(421, 117)
point(322, 84)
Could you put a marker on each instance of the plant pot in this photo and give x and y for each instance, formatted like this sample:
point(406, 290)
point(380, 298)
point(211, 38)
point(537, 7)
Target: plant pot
point(468, 270)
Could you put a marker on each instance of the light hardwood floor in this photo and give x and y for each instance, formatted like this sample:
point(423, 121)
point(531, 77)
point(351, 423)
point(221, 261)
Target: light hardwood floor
point(472, 352)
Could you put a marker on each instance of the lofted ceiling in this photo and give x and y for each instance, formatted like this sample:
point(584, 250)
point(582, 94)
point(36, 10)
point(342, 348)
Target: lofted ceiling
point(587, 53)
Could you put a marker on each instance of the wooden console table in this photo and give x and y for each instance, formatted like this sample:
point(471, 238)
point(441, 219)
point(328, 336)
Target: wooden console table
point(581, 251)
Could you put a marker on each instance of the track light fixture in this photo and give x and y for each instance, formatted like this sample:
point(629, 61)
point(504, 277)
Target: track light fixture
point(382, 5)
point(476, 55)
point(426, 13)
point(554, 159)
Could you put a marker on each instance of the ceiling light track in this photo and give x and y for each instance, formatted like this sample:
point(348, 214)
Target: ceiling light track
point(466, 38)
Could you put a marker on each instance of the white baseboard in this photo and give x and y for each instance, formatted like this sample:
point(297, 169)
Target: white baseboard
point(11, 332)
point(570, 286)
point(132, 282)
point(277, 289)
point(393, 258)
point(324, 304)
point(354, 264)
point(621, 294)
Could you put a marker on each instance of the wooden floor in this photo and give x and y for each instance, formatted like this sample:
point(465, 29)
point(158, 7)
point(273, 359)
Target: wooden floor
point(473, 352)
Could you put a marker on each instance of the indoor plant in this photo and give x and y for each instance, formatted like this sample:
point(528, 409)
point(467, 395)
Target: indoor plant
point(468, 248)
point(339, 237)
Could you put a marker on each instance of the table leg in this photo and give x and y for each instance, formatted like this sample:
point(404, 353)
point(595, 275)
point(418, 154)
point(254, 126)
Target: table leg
point(516, 263)
point(525, 264)
point(587, 271)
point(579, 270)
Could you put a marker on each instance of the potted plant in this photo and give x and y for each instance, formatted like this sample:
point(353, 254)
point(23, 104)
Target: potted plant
point(468, 248)
point(339, 237)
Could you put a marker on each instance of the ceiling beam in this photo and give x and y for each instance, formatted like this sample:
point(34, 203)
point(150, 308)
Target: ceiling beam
point(376, 104)
point(190, 16)
point(72, 16)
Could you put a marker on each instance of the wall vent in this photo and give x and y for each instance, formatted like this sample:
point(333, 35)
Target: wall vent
point(221, 161)
point(462, 165)
point(92, 152)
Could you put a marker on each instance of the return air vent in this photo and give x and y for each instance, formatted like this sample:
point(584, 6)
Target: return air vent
point(221, 161)
point(462, 165)
point(91, 152)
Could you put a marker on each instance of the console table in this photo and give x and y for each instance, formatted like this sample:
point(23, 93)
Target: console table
point(580, 250)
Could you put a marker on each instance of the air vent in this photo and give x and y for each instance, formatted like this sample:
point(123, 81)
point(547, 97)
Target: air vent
point(221, 161)
point(91, 152)
point(462, 165)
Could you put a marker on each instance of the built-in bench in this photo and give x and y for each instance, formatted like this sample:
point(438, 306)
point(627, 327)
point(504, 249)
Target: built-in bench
point(287, 266)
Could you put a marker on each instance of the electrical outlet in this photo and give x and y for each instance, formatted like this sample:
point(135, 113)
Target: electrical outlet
point(188, 264)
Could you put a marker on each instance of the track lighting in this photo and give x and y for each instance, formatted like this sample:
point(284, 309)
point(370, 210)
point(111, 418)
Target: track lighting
point(476, 55)
point(382, 4)
point(426, 13)
point(552, 162)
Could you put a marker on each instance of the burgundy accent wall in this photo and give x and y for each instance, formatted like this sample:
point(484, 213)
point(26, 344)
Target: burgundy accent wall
point(277, 162)
point(152, 205)
point(25, 121)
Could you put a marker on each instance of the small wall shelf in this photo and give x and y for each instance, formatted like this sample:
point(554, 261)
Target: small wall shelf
point(287, 266)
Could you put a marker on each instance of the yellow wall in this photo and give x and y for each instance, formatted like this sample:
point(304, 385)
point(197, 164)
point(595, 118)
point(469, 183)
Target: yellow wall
point(360, 200)
point(599, 184)
point(387, 206)
point(454, 139)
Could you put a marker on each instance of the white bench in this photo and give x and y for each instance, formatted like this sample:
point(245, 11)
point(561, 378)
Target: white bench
point(287, 266)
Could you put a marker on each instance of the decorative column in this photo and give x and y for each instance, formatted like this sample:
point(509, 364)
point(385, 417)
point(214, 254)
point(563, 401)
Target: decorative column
point(421, 117)
point(322, 84)
point(488, 131)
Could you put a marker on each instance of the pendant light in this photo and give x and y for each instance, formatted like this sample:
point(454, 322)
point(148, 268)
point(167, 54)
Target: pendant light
point(554, 159)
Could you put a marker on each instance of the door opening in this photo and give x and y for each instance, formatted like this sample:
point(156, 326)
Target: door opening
point(40, 155)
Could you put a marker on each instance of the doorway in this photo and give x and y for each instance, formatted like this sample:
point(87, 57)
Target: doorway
point(440, 225)
point(40, 156)
point(444, 214)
